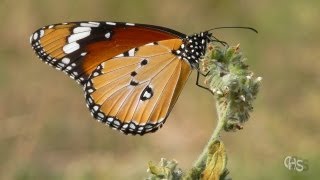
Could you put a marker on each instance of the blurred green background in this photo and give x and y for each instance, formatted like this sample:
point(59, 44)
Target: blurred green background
point(46, 131)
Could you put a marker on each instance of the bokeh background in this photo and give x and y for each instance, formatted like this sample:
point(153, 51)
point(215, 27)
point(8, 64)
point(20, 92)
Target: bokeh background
point(46, 131)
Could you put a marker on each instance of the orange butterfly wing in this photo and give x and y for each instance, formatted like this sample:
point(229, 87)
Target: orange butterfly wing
point(136, 93)
point(132, 73)
point(78, 47)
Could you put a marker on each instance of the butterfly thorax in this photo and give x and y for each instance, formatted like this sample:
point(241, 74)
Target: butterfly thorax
point(193, 48)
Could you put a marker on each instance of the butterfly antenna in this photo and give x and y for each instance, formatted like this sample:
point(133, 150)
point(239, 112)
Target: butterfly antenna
point(234, 27)
point(212, 38)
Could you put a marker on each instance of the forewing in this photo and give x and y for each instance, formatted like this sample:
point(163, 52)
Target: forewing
point(77, 48)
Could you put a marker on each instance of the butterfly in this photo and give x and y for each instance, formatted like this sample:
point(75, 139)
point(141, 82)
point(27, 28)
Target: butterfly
point(131, 74)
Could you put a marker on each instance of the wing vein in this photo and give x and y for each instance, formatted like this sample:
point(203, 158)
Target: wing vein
point(171, 61)
point(154, 107)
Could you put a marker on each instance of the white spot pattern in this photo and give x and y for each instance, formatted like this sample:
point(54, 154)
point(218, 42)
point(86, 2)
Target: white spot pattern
point(90, 24)
point(111, 23)
point(147, 95)
point(41, 33)
point(107, 35)
point(66, 60)
point(129, 24)
point(120, 55)
point(81, 29)
point(131, 52)
point(35, 36)
point(69, 48)
point(95, 108)
point(78, 36)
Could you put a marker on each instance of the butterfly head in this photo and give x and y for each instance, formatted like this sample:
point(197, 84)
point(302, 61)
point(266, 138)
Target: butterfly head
point(194, 47)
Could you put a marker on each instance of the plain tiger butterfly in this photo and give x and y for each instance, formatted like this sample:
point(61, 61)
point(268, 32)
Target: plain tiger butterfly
point(132, 74)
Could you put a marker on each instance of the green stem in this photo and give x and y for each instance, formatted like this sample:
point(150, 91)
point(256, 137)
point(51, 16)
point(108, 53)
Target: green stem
point(222, 114)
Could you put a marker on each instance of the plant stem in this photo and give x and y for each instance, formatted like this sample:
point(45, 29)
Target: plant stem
point(222, 113)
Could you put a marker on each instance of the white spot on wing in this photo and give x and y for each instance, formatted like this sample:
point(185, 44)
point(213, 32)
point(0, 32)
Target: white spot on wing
point(95, 23)
point(35, 36)
point(90, 90)
point(41, 33)
point(111, 23)
point(69, 48)
point(120, 55)
point(61, 64)
point(129, 24)
point(147, 94)
point(69, 68)
point(78, 36)
point(95, 108)
point(81, 29)
point(66, 60)
point(132, 126)
point(92, 24)
point(84, 53)
point(90, 101)
point(95, 74)
point(51, 26)
point(117, 123)
point(101, 115)
point(107, 35)
point(131, 52)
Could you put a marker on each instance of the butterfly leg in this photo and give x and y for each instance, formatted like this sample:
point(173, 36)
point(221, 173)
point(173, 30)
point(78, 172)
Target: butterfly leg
point(199, 85)
point(214, 39)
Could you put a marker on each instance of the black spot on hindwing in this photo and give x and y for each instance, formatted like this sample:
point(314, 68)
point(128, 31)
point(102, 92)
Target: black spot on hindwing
point(144, 62)
point(134, 83)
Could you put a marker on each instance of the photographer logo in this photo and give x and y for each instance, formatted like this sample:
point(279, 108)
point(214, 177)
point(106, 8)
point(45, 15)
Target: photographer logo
point(295, 163)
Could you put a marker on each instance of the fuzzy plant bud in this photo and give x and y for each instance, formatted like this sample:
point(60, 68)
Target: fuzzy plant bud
point(230, 80)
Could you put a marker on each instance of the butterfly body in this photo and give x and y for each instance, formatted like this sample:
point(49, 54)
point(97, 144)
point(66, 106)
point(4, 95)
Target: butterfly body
point(132, 74)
